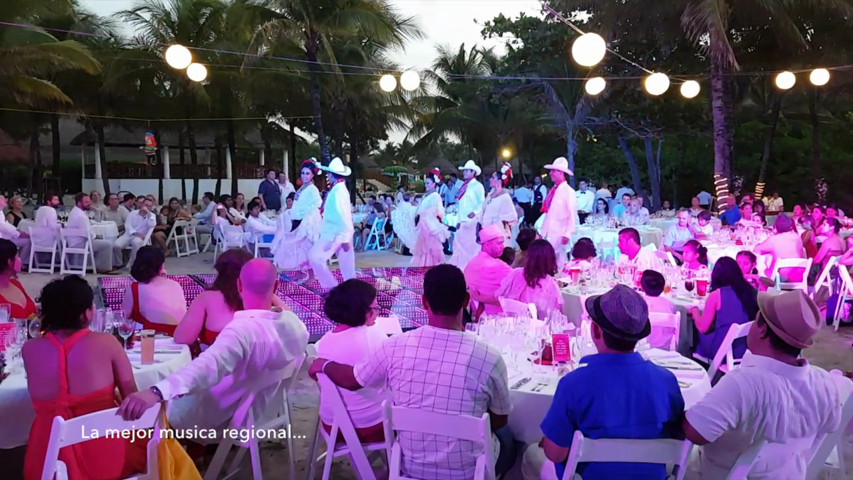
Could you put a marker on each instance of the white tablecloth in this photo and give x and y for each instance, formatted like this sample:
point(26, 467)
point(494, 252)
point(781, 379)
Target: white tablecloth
point(24, 225)
point(16, 409)
point(529, 407)
point(104, 230)
point(599, 235)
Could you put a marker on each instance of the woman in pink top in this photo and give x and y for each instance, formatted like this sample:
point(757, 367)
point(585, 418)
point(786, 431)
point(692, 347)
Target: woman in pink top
point(535, 282)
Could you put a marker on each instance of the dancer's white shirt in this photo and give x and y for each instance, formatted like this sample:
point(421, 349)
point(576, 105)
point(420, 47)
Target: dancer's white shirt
point(337, 215)
point(471, 201)
point(431, 201)
point(561, 217)
point(306, 201)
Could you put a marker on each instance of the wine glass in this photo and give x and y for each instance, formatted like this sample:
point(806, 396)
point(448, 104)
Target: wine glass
point(34, 329)
point(108, 323)
point(689, 285)
point(126, 327)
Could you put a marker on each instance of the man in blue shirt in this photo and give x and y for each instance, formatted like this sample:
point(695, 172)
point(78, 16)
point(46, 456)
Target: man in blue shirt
point(617, 394)
point(270, 192)
point(732, 214)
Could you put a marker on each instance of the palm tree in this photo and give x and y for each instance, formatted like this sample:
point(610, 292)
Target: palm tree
point(310, 26)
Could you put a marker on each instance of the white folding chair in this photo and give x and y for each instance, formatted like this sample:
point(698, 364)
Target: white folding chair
point(389, 325)
point(844, 295)
point(462, 427)
point(828, 452)
point(377, 232)
point(42, 240)
point(66, 265)
point(666, 257)
point(183, 236)
point(351, 447)
point(520, 309)
point(804, 263)
point(260, 244)
point(740, 470)
point(664, 451)
point(232, 237)
point(670, 322)
point(824, 280)
point(725, 351)
point(65, 433)
point(244, 417)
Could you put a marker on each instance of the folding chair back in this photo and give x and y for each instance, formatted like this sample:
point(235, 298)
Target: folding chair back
point(42, 240)
point(377, 232)
point(670, 322)
point(69, 253)
point(797, 263)
point(744, 463)
point(824, 280)
point(725, 351)
point(845, 294)
point(664, 451)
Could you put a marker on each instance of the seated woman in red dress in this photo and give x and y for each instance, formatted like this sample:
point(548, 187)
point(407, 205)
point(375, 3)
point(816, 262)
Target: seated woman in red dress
point(11, 290)
point(153, 300)
point(71, 372)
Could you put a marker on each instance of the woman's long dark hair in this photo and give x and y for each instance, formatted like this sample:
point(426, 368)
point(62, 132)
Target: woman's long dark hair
point(228, 267)
point(727, 273)
point(700, 250)
point(541, 262)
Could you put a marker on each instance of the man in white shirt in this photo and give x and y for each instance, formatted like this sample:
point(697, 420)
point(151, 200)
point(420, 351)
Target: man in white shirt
point(636, 214)
point(107, 254)
point(585, 200)
point(258, 226)
point(46, 214)
point(679, 234)
point(114, 212)
point(633, 254)
point(438, 368)
point(774, 204)
point(470, 199)
point(140, 223)
point(785, 243)
point(774, 396)
point(705, 198)
point(336, 232)
point(560, 210)
point(625, 190)
point(9, 232)
point(249, 354)
point(285, 186)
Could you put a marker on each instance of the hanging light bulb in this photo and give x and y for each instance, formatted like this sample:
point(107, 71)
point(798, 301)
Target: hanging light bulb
point(178, 57)
point(595, 85)
point(387, 83)
point(410, 80)
point(657, 84)
point(690, 89)
point(819, 77)
point(589, 49)
point(197, 72)
point(785, 80)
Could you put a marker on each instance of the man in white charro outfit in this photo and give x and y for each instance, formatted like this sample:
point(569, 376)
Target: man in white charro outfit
point(559, 210)
point(336, 231)
point(470, 205)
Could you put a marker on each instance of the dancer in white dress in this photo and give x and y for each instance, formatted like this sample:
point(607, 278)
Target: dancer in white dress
point(336, 231)
point(294, 238)
point(560, 211)
point(431, 232)
point(470, 205)
point(499, 209)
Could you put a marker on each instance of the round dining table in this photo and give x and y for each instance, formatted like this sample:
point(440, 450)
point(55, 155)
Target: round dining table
point(16, 409)
point(532, 390)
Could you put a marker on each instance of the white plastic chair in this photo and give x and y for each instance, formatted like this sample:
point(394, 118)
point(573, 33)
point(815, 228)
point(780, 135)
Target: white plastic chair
point(520, 309)
point(666, 257)
point(664, 451)
point(232, 237)
point(823, 280)
point(740, 470)
point(462, 427)
point(377, 232)
point(828, 450)
point(86, 250)
point(668, 321)
point(804, 263)
point(244, 417)
point(65, 433)
point(42, 240)
point(260, 244)
point(725, 351)
point(389, 325)
point(351, 447)
point(844, 295)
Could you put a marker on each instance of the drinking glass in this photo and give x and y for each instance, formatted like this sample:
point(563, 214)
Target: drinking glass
point(126, 326)
point(34, 328)
point(5, 312)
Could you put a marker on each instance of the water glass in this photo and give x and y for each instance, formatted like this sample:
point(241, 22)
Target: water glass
point(5, 312)
point(34, 329)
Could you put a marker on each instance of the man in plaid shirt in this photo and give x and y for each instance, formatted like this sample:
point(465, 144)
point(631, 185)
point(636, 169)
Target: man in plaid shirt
point(443, 369)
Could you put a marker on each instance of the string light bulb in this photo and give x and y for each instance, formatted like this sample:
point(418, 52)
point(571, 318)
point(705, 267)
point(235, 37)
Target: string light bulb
point(387, 83)
point(690, 89)
point(589, 49)
point(785, 80)
point(178, 57)
point(657, 84)
point(197, 72)
point(595, 85)
point(819, 77)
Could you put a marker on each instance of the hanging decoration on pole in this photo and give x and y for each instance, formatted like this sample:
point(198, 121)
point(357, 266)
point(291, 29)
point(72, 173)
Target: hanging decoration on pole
point(150, 148)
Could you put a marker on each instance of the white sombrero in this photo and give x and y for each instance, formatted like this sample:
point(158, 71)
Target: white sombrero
point(470, 165)
point(337, 167)
point(560, 164)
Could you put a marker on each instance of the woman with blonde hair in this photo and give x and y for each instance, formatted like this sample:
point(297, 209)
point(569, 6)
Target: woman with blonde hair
point(16, 212)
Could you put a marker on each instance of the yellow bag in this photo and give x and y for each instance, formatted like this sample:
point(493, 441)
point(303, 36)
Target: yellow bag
point(173, 462)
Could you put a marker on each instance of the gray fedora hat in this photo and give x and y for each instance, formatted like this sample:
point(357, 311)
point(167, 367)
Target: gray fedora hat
point(621, 312)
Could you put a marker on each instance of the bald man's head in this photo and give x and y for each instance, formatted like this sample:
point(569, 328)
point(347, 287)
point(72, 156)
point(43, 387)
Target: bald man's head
point(258, 279)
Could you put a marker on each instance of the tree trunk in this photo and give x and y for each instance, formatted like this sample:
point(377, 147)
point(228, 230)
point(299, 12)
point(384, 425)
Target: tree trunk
point(722, 149)
point(294, 163)
point(817, 171)
point(353, 161)
point(193, 161)
point(161, 169)
point(571, 148)
point(312, 46)
point(632, 165)
point(55, 145)
point(339, 129)
point(232, 148)
point(36, 183)
point(220, 171)
point(768, 144)
point(682, 153)
point(182, 161)
point(654, 172)
point(102, 148)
